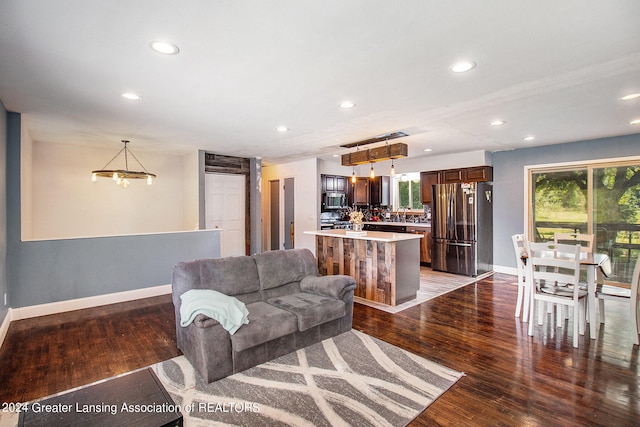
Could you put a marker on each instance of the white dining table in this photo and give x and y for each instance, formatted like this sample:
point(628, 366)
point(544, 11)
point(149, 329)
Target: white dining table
point(593, 261)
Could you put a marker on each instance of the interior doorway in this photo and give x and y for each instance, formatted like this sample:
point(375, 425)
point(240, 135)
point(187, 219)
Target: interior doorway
point(274, 214)
point(289, 214)
point(225, 196)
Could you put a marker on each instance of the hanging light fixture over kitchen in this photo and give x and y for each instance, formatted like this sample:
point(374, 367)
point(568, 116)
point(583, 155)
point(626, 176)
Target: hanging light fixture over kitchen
point(372, 173)
point(379, 154)
point(353, 175)
point(393, 168)
point(122, 176)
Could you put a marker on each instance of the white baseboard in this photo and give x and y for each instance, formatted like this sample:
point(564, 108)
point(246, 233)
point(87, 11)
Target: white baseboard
point(87, 302)
point(4, 328)
point(506, 270)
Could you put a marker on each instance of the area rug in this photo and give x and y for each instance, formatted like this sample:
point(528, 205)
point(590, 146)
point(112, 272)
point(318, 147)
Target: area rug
point(349, 380)
point(432, 285)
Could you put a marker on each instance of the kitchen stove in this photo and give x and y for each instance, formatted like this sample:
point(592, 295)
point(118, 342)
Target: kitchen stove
point(328, 224)
point(343, 225)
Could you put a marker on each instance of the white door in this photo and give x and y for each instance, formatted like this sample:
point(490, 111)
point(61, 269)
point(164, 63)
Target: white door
point(225, 209)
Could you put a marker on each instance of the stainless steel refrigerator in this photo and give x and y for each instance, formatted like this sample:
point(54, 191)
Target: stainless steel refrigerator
point(462, 228)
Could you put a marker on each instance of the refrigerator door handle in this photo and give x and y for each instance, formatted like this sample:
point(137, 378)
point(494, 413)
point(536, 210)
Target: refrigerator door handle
point(459, 244)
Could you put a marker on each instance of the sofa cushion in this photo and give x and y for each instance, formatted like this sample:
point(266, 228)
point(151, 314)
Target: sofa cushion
point(311, 309)
point(277, 268)
point(231, 276)
point(266, 322)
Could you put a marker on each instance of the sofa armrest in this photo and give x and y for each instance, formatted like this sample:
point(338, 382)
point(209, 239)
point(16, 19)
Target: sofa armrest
point(208, 349)
point(203, 321)
point(332, 286)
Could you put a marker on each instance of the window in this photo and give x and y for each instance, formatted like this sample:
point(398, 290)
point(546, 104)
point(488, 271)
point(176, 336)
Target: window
point(407, 192)
point(559, 203)
point(599, 198)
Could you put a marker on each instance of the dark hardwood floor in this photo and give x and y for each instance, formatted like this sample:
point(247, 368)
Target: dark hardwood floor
point(511, 379)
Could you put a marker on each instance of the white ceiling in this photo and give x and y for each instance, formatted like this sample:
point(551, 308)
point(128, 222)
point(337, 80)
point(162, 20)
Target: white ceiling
point(553, 69)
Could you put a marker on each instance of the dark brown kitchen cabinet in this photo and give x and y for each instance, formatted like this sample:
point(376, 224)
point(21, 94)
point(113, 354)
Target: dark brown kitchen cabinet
point(333, 183)
point(473, 174)
point(451, 176)
point(349, 191)
point(361, 191)
point(425, 248)
point(427, 180)
point(479, 174)
point(380, 191)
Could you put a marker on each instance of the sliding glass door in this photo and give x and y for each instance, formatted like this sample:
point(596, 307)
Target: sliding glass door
point(599, 198)
point(616, 217)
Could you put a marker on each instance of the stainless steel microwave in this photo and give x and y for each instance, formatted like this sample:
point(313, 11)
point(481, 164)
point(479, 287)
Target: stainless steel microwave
point(334, 201)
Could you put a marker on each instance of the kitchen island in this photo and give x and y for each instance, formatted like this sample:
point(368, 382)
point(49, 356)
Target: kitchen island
point(423, 228)
point(386, 266)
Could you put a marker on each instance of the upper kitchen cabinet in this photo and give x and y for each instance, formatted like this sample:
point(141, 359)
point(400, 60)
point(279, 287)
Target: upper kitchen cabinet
point(427, 180)
point(452, 176)
point(361, 191)
point(333, 183)
point(380, 191)
point(479, 174)
point(474, 174)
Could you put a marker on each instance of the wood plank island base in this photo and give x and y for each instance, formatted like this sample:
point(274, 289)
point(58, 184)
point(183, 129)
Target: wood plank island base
point(386, 266)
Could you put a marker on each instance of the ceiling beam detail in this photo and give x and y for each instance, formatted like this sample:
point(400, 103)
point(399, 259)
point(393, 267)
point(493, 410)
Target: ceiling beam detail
point(372, 155)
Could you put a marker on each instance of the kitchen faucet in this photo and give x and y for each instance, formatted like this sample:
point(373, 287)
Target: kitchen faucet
point(404, 214)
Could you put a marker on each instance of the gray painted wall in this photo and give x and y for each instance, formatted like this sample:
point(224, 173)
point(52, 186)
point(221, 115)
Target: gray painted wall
point(508, 182)
point(4, 288)
point(57, 270)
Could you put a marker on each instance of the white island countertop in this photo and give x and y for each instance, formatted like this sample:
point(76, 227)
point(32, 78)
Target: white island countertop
point(378, 236)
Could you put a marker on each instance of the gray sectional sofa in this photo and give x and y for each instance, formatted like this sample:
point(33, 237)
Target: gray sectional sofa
point(289, 305)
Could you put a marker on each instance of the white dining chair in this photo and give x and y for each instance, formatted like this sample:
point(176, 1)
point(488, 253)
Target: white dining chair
point(586, 246)
point(604, 292)
point(555, 272)
point(584, 240)
point(523, 298)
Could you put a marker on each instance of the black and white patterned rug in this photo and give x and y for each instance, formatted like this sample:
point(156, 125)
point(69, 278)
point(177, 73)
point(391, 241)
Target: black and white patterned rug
point(350, 380)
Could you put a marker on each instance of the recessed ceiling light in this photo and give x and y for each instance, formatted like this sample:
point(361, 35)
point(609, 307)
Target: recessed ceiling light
point(336, 155)
point(497, 123)
point(635, 122)
point(630, 97)
point(164, 47)
point(347, 104)
point(131, 96)
point(428, 149)
point(282, 128)
point(529, 138)
point(463, 66)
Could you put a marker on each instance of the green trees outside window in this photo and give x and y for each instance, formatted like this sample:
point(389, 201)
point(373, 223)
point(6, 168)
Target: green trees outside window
point(600, 199)
point(409, 194)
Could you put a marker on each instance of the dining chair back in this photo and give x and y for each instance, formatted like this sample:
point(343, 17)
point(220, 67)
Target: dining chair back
point(605, 292)
point(554, 269)
point(584, 240)
point(522, 303)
